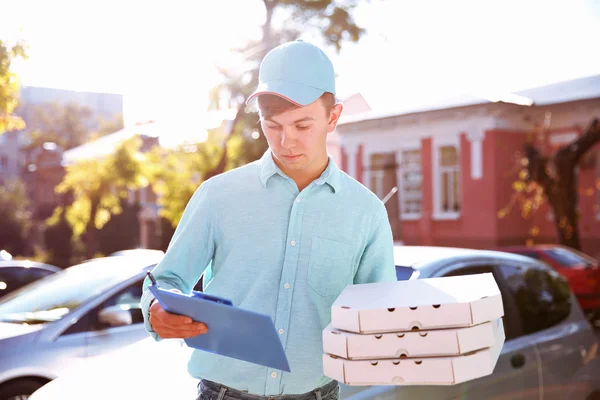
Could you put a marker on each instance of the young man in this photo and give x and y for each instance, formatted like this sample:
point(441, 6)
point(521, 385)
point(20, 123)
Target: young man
point(284, 236)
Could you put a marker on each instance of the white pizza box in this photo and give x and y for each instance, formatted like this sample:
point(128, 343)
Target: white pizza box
point(424, 343)
point(448, 370)
point(430, 303)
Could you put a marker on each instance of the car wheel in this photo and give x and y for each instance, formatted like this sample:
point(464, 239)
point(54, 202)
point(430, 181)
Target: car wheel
point(19, 390)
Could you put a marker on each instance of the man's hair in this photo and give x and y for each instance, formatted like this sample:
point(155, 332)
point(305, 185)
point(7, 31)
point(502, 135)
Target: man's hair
point(270, 104)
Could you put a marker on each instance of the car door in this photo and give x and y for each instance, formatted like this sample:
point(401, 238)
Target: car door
point(516, 375)
point(552, 321)
point(101, 337)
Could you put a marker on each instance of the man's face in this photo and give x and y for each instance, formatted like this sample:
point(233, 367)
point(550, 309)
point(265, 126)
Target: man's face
point(297, 137)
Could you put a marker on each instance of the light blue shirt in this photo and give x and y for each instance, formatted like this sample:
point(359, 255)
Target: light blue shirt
point(281, 252)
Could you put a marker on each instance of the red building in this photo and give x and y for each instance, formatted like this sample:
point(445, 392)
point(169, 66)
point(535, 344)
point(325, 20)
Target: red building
point(454, 165)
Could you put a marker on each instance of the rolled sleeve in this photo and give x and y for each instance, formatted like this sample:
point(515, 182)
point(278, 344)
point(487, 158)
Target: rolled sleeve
point(189, 253)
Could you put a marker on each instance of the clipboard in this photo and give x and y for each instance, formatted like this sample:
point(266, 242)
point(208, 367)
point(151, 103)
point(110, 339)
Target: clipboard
point(232, 332)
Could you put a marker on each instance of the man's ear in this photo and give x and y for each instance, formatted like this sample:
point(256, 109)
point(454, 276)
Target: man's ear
point(334, 117)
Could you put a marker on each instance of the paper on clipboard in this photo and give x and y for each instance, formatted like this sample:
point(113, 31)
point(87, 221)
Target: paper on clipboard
point(232, 332)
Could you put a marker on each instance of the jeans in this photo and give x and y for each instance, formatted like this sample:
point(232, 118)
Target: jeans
point(208, 390)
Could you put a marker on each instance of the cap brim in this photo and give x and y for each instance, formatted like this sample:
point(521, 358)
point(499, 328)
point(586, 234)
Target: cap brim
point(296, 93)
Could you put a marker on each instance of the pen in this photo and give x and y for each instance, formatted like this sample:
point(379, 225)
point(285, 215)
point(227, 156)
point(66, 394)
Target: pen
point(151, 277)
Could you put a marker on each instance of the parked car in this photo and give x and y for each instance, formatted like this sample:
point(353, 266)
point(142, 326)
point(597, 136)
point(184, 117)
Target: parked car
point(16, 274)
point(52, 325)
point(582, 272)
point(550, 350)
point(138, 252)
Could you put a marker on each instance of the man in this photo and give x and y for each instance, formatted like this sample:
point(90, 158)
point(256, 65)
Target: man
point(284, 236)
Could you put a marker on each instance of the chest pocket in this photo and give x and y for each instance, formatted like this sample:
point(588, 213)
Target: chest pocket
point(330, 266)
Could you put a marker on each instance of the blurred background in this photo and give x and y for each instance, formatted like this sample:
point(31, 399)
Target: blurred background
point(475, 121)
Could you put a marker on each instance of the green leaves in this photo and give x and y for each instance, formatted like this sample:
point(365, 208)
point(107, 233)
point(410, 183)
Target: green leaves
point(9, 87)
point(98, 185)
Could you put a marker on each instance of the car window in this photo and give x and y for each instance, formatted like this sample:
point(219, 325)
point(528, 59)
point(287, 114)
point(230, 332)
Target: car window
point(13, 278)
point(53, 297)
point(529, 254)
point(566, 257)
point(129, 297)
point(542, 296)
point(510, 329)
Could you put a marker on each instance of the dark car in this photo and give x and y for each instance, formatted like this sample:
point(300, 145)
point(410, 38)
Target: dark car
point(581, 271)
point(16, 274)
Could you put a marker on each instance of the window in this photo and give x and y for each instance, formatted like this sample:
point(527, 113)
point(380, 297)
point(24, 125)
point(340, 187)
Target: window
point(382, 173)
point(13, 278)
point(130, 296)
point(3, 162)
point(446, 177)
point(510, 330)
point(569, 258)
point(541, 295)
point(410, 184)
point(449, 179)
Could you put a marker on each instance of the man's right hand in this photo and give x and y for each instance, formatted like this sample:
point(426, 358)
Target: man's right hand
point(173, 326)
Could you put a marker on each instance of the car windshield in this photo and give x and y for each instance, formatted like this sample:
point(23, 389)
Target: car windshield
point(51, 298)
point(570, 258)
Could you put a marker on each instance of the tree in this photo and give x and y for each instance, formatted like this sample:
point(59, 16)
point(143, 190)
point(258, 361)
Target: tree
point(333, 19)
point(176, 174)
point(108, 126)
point(97, 186)
point(15, 217)
point(9, 86)
point(554, 179)
point(67, 125)
point(243, 141)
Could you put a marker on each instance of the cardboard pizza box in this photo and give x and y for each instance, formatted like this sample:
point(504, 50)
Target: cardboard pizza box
point(430, 303)
point(449, 370)
point(425, 343)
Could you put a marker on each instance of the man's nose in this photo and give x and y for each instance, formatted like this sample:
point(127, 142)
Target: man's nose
point(287, 139)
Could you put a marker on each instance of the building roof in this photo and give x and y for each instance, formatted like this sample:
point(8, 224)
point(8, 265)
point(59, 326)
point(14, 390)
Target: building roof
point(106, 145)
point(561, 92)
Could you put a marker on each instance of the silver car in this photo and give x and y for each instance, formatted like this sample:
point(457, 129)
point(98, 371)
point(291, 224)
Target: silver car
point(549, 352)
point(52, 325)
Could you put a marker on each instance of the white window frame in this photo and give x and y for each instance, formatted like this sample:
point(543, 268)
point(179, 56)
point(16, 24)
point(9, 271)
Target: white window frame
point(401, 184)
point(377, 176)
point(437, 144)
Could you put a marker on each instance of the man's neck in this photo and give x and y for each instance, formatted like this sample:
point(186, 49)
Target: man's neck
point(305, 177)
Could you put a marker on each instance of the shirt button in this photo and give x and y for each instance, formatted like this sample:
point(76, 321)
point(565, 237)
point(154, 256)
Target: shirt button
point(281, 331)
point(298, 200)
point(287, 286)
point(293, 242)
point(273, 374)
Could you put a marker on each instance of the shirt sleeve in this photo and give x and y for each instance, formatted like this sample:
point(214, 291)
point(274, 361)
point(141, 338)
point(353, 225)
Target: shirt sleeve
point(190, 251)
point(377, 261)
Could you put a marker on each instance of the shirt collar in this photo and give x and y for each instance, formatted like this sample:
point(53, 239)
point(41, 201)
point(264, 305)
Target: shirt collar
point(331, 175)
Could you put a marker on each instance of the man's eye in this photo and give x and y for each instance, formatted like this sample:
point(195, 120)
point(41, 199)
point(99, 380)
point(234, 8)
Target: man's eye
point(273, 126)
point(302, 128)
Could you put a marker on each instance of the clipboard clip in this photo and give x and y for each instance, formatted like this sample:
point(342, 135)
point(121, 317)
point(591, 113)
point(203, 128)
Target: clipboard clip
point(195, 293)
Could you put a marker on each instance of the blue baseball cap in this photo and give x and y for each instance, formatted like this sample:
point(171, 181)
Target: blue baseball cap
point(297, 71)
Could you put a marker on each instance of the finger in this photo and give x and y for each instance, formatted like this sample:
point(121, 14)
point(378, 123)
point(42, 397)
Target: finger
point(167, 333)
point(197, 327)
point(173, 319)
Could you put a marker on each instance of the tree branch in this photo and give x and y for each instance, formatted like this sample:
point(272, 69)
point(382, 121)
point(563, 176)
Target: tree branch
point(586, 141)
point(536, 166)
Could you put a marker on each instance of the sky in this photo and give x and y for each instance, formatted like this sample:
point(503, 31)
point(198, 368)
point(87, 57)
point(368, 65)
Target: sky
point(160, 54)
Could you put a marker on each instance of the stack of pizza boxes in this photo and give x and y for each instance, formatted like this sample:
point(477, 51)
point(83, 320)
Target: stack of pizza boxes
point(436, 331)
